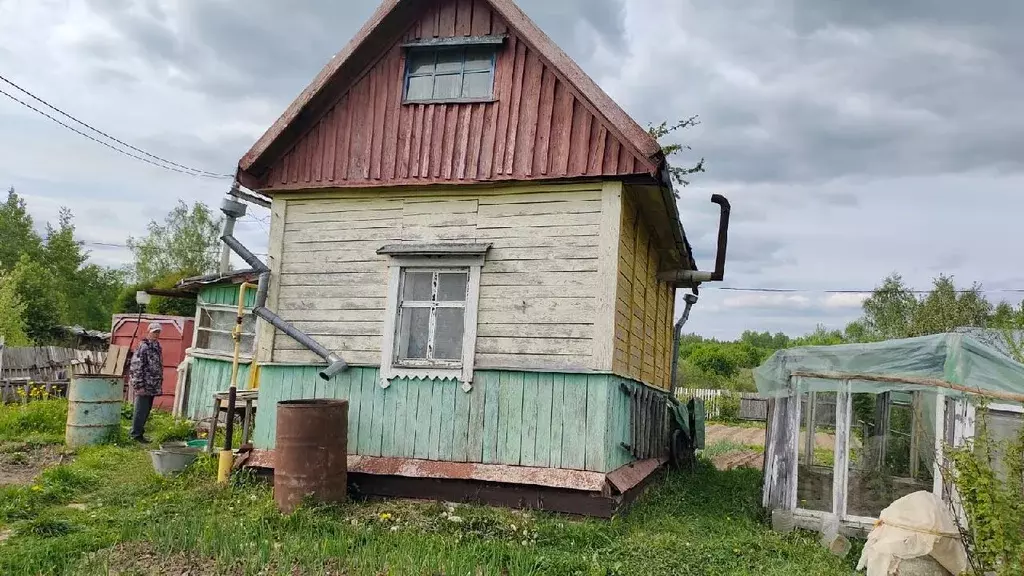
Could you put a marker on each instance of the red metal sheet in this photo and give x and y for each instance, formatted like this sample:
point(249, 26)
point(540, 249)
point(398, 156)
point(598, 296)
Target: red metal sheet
point(413, 468)
point(538, 127)
point(175, 339)
point(629, 476)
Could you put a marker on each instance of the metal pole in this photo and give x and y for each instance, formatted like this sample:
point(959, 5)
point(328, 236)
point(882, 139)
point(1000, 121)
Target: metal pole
point(677, 333)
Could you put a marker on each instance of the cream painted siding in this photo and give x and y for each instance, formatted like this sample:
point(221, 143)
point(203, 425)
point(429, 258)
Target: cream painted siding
point(539, 287)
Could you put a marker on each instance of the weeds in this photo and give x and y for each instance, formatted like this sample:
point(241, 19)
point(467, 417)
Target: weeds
point(39, 422)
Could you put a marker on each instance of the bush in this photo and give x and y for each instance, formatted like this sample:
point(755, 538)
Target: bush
point(991, 500)
point(714, 359)
point(728, 407)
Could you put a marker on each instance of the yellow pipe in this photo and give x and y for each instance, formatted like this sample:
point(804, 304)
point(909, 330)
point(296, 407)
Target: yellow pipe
point(224, 461)
point(226, 457)
point(236, 334)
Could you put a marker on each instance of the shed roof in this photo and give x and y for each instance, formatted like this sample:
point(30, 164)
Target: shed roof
point(955, 358)
point(382, 29)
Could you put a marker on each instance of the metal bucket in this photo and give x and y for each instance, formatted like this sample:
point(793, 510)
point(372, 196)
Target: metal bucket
point(310, 457)
point(94, 410)
point(171, 462)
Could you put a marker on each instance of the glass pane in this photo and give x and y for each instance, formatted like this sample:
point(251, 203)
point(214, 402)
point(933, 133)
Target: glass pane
point(420, 88)
point(477, 85)
point(451, 287)
point(448, 333)
point(218, 319)
point(413, 324)
point(479, 59)
point(449, 61)
point(816, 451)
point(248, 324)
point(447, 87)
point(892, 443)
point(417, 287)
point(421, 62)
point(220, 342)
point(1004, 429)
point(248, 345)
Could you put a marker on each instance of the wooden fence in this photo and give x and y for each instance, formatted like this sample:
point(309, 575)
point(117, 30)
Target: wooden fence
point(751, 406)
point(24, 392)
point(28, 373)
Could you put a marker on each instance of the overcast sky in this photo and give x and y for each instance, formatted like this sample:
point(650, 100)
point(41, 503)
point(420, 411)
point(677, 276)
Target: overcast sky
point(854, 139)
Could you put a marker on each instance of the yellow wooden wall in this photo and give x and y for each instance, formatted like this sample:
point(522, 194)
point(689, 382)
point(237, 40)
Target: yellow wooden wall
point(644, 306)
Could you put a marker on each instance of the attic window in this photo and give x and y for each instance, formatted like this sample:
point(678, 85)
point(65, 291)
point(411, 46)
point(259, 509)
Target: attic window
point(450, 73)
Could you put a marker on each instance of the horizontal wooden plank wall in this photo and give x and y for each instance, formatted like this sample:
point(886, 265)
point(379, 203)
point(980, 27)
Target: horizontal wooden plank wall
point(539, 283)
point(207, 376)
point(537, 126)
point(644, 306)
point(516, 418)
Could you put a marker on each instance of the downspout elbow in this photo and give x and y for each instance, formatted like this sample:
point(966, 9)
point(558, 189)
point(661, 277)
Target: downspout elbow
point(693, 278)
point(723, 236)
point(336, 365)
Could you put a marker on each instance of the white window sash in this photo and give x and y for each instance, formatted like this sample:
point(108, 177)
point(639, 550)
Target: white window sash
point(432, 305)
point(460, 370)
point(206, 308)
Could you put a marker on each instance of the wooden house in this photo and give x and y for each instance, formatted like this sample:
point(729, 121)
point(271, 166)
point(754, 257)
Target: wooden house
point(491, 245)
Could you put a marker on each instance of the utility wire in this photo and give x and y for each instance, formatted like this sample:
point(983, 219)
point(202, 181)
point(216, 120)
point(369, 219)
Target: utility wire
point(115, 245)
point(167, 164)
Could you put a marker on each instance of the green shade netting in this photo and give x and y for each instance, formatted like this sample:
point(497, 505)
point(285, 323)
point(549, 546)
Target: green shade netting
point(959, 358)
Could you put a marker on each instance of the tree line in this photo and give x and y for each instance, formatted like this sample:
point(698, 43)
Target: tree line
point(48, 282)
point(893, 310)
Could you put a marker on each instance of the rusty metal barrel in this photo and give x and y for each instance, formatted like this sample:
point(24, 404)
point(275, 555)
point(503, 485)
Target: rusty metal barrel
point(311, 452)
point(94, 410)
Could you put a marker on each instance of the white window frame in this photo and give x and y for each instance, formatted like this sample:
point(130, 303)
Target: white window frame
point(434, 258)
point(243, 355)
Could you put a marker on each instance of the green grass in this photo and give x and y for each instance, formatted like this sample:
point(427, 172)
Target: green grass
point(38, 422)
point(725, 446)
point(708, 522)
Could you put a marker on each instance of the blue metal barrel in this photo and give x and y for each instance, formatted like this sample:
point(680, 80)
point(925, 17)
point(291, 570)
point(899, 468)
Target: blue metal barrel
point(94, 409)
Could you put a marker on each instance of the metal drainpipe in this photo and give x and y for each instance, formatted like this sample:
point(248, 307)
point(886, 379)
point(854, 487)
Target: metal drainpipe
point(335, 363)
point(690, 299)
point(232, 211)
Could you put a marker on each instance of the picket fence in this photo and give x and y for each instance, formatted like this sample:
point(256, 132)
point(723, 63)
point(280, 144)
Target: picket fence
point(752, 406)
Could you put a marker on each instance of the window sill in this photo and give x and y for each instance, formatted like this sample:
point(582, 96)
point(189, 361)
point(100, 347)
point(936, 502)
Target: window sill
point(451, 101)
point(243, 358)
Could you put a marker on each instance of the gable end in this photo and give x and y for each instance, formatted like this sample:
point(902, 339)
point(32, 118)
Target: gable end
point(538, 123)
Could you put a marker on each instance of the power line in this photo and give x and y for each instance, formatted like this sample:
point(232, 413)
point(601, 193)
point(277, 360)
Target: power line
point(167, 164)
point(115, 245)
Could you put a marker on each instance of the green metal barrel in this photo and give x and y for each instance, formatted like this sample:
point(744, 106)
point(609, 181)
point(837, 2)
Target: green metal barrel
point(94, 409)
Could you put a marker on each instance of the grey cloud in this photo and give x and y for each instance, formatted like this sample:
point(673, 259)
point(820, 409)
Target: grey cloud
point(272, 49)
point(893, 91)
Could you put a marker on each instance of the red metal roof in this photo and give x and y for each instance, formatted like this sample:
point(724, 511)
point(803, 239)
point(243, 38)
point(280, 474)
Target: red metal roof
point(349, 127)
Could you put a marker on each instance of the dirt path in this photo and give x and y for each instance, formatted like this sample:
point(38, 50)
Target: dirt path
point(739, 459)
point(21, 463)
point(746, 436)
